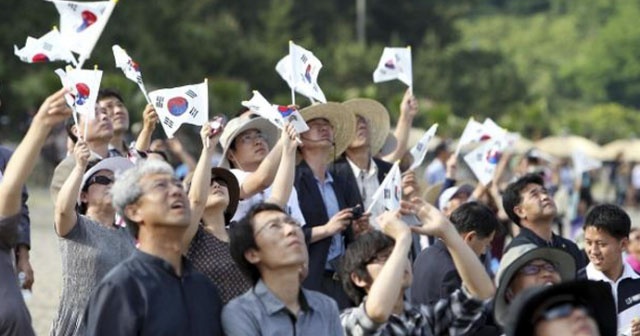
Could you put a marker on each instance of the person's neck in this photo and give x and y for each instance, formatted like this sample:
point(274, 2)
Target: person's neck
point(616, 272)
point(105, 217)
point(214, 223)
point(285, 285)
point(360, 157)
point(164, 243)
point(541, 228)
point(398, 307)
point(318, 163)
point(117, 142)
point(99, 147)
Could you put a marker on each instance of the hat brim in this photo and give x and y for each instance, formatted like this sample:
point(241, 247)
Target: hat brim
point(113, 164)
point(564, 262)
point(377, 118)
point(596, 295)
point(432, 194)
point(232, 187)
point(269, 130)
point(342, 121)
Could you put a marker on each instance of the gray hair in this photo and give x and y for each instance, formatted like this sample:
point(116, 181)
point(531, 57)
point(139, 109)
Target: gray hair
point(127, 190)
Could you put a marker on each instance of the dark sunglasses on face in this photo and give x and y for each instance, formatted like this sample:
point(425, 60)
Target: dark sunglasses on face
point(533, 269)
point(221, 182)
point(560, 310)
point(100, 179)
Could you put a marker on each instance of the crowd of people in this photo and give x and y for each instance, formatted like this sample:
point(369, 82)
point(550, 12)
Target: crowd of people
point(271, 232)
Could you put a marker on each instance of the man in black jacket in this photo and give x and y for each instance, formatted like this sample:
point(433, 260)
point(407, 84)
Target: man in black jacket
point(531, 207)
point(326, 199)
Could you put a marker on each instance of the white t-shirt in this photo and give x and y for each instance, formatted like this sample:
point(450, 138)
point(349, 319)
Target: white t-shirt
point(292, 208)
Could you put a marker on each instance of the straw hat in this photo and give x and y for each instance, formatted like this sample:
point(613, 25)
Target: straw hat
point(516, 258)
point(377, 118)
point(343, 122)
point(238, 125)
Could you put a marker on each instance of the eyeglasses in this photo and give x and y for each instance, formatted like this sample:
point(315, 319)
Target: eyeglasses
point(219, 180)
point(251, 137)
point(277, 225)
point(100, 179)
point(560, 310)
point(533, 269)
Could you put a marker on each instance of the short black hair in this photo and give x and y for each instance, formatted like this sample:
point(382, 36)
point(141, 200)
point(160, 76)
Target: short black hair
point(108, 93)
point(355, 260)
point(241, 239)
point(474, 216)
point(512, 198)
point(440, 148)
point(609, 218)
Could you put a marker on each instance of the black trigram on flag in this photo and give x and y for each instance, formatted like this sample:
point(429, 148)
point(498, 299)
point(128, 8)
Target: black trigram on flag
point(191, 93)
point(193, 112)
point(159, 102)
point(139, 79)
point(73, 7)
point(304, 58)
point(168, 121)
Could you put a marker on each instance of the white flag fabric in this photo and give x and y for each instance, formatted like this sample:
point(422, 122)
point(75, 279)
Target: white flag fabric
point(48, 48)
point(300, 70)
point(484, 159)
point(471, 133)
point(582, 163)
point(389, 193)
point(83, 86)
point(276, 114)
point(420, 149)
point(130, 68)
point(395, 63)
point(81, 23)
point(185, 104)
point(491, 130)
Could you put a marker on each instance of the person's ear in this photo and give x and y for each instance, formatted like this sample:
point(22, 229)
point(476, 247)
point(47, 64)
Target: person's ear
point(468, 237)
point(519, 211)
point(624, 243)
point(358, 281)
point(133, 213)
point(83, 197)
point(252, 256)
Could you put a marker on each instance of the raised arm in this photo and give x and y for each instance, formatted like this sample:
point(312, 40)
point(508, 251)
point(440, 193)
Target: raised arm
point(283, 181)
point(65, 215)
point(473, 274)
point(52, 111)
point(201, 181)
point(388, 284)
point(149, 119)
point(408, 110)
point(263, 177)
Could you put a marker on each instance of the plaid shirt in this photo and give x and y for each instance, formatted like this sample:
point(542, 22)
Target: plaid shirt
point(459, 314)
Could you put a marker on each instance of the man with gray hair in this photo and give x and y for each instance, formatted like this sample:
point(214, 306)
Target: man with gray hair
point(156, 291)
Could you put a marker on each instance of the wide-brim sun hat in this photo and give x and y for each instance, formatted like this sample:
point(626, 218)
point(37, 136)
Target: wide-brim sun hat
point(518, 256)
point(115, 165)
point(596, 296)
point(452, 192)
point(342, 121)
point(238, 125)
point(377, 118)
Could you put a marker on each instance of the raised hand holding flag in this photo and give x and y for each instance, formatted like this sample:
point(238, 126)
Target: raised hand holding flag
point(419, 151)
point(395, 63)
point(300, 70)
point(130, 68)
point(48, 48)
point(185, 104)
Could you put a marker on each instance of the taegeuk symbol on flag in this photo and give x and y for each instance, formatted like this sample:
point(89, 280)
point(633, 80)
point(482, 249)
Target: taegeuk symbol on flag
point(185, 104)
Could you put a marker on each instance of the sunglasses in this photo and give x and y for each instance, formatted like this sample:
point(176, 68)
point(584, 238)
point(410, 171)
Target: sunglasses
point(533, 269)
point(100, 179)
point(560, 310)
point(219, 180)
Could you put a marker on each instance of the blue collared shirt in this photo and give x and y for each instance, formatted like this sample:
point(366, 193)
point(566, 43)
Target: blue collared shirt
point(336, 249)
point(260, 312)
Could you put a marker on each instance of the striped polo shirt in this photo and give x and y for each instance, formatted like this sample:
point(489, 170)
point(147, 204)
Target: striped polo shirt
point(626, 292)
